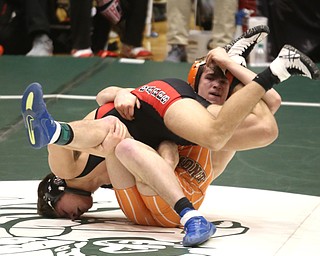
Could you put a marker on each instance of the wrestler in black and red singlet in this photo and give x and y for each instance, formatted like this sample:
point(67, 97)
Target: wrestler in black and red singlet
point(155, 98)
point(148, 124)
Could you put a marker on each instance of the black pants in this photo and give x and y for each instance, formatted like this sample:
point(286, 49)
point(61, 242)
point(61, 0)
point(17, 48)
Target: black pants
point(134, 23)
point(130, 29)
point(85, 31)
point(32, 18)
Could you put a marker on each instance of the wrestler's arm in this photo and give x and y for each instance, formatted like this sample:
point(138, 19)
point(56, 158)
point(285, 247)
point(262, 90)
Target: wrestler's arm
point(108, 94)
point(245, 75)
point(258, 129)
point(124, 101)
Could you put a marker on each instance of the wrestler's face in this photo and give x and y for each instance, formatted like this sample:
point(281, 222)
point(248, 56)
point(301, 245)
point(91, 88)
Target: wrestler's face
point(72, 206)
point(213, 86)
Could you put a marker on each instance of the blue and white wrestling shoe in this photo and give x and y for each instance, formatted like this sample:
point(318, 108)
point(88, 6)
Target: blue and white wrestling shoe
point(198, 230)
point(41, 127)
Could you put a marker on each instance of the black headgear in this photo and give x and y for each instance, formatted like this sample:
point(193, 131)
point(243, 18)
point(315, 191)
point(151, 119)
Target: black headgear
point(55, 189)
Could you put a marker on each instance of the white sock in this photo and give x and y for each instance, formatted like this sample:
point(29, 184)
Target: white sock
point(56, 134)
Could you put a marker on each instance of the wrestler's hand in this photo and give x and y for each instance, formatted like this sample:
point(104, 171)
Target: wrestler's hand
point(117, 132)
point(108, 94)
point(125, 103)
point(218, 56)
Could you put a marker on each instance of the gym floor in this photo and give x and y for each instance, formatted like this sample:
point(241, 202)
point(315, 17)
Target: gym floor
point(271, 196)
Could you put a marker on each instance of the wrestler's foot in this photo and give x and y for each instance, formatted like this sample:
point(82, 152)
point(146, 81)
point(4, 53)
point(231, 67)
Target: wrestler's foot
point(41, 127)
point(240, 48)
point(291, 61)
point(198, 230)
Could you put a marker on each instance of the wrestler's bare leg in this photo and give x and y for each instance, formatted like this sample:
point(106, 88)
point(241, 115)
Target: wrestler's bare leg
point(202, 128)
point(199, 126)
point(155, 175)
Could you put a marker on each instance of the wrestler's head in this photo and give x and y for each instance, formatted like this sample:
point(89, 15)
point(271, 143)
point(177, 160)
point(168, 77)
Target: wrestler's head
point(57, 200)
point(209, 82)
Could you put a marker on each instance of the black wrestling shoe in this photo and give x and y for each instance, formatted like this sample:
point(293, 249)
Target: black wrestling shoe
point(292, 62)
point(243, 45)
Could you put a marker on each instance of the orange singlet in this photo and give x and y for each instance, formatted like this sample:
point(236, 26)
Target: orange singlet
point(194, 175)
point(194, 168)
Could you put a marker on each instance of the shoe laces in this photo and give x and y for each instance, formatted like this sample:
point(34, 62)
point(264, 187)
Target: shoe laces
point(293, 63)
point(242, 49)
point(297, 63)
point(193, 225)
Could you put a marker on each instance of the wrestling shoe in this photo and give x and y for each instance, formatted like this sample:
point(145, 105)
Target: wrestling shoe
point(82, 53)
point(292, 62)
point(42, 46)
point(240, 48)
point(178, 53)
point(197, 229)
point(129, 51)
point(41, 127)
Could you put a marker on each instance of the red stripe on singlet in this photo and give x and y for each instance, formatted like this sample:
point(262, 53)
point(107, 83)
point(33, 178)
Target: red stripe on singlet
point(159, 94)
point(104, 109)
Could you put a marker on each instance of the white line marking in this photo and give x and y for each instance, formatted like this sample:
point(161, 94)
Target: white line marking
point(51, 96)
point(300, 104)
point(131, 61)
point(85, 97)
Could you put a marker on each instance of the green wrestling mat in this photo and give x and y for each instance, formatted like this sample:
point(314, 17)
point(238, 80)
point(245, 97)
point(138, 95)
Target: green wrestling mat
point(247, 203)
point(291, 164)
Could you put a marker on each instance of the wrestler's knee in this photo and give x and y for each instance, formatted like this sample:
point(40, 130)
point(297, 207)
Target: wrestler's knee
point(108, 120)
point(126, 147)
point(269, 132)
point(105, 124)
point(111, 133)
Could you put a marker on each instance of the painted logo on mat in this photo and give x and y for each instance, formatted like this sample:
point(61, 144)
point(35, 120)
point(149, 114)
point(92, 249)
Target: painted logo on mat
point(104, 230)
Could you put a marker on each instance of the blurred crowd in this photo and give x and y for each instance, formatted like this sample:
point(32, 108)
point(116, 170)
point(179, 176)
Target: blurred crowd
point(117, 28)
point(80, 28)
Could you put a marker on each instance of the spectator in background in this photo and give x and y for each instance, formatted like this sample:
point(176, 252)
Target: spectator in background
point(25, 27)
point(293, 22)
point(178, 21)
point(80, 21)
point(128, 18)
point(38, 27)
point(179, 18)
point(224, 23)
point(89, 30)
point(132, 27)
point(26, 20)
